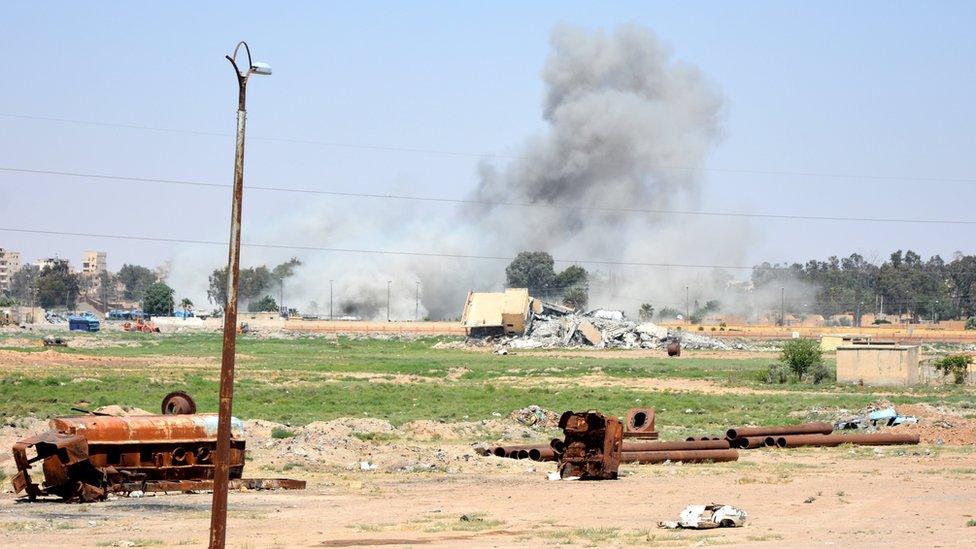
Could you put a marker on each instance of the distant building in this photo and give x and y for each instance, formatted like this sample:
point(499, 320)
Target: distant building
point(49, 262)
point(9, 265)
point(95, 263)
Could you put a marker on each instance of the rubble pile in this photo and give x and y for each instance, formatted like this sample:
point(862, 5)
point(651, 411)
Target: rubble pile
point(606, 329)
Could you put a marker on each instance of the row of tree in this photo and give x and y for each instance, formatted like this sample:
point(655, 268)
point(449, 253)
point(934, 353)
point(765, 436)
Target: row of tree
point(255, 285)
point(904, 284)
point(55, 286)
point(536, 271)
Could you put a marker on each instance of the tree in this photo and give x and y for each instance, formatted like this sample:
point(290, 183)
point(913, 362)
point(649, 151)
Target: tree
point(159, 299)
point(186, 305)
point(575, 298)
point(56, 286)
point(265, 304)
point(532, 270)
point(286, 269)
point(646, 313)
point(22, 283)
point(253, 282)
point(668, 313)
point(801, 355)
point(135, 280)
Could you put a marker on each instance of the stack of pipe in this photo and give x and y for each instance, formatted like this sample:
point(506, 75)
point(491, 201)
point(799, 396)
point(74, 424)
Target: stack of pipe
point(632, 451)
point(808, 434)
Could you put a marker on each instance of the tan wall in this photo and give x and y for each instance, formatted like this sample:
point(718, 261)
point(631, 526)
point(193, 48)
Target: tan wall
point(878, 366)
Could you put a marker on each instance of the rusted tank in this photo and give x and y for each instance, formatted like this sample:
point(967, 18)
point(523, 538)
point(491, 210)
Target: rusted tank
point(85, 458)
point(591, 449)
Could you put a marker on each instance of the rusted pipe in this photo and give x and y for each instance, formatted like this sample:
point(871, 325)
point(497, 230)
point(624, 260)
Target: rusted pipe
point(687, 456)
point(661, 446)
point(749, 442)
point(557, 445)
point(521, 454)
point(542, 454)
point(801, 429)
point(867, 439)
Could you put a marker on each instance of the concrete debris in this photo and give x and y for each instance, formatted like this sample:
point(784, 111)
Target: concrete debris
point(553, 328)
point(707, 516)
point(536, 416)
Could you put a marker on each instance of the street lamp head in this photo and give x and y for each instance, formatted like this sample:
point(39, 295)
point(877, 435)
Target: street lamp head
point(263, 69)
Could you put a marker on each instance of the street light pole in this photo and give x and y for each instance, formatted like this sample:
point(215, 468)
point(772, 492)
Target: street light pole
point(388, 283)
point(218, 511)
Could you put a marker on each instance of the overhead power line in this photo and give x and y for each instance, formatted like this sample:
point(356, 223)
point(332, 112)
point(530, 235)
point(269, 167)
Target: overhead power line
point(645, 211)
point(370, 251)
point(442, 152)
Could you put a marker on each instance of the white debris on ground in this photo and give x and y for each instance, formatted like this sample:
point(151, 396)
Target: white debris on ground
point(707, 516)
point(605, 329)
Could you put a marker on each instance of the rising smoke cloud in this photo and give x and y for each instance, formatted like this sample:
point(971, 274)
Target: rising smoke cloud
point(627, 126)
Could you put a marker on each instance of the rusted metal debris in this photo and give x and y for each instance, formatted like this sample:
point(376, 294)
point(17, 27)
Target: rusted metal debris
point(640, 424)
point(178, 402)
point(85, 458)
point(674, 348)
point(592, 445)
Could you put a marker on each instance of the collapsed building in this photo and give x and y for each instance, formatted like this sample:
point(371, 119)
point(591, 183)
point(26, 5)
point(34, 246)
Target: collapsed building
point(514, 319)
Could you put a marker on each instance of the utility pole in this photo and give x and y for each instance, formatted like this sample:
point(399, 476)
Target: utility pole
point(221, 473)
point(330, 300)
point(857, 314)
point(782, 307)
point(687, 305)
point(281, 298)
point(416, 311)
point(388, 283)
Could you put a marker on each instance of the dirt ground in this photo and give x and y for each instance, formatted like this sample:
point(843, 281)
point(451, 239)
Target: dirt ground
point(892, 497)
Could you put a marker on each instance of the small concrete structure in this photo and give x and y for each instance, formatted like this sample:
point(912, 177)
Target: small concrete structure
point(488, 313)
point(878, 365)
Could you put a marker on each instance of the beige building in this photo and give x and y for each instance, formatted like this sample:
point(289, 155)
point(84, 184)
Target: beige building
point(95, 263)
point(47, 262)
point(878, 365)
point(9, 265)
point(488, 313)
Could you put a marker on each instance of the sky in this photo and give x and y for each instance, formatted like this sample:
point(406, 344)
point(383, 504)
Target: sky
point(875, 99)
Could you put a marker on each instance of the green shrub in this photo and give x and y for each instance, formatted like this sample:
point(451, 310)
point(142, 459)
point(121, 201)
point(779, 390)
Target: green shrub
point(820, 373)
point(878, 321)
point(956, 365)
point(774, 373)
point(800, 355)
point(282, 432)
point(971, 323)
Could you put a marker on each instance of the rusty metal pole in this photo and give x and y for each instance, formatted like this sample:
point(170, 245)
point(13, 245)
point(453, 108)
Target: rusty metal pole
point(218, 512)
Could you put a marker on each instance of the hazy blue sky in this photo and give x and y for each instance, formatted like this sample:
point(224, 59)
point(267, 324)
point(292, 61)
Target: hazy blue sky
point(872, 88)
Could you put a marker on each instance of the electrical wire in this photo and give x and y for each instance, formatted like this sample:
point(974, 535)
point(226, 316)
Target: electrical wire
point(442, 152)
point(492, 203)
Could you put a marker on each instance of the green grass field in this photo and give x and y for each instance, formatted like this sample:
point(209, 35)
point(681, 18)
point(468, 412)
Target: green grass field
point(297, 381)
